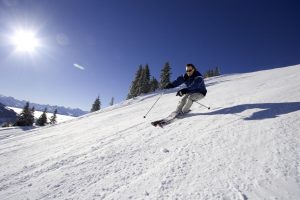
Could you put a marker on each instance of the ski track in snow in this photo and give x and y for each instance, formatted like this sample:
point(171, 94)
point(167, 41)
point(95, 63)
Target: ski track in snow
point(245, 147)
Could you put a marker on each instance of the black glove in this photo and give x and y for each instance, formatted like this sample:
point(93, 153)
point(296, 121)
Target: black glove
point(168, 86)
point(181, 92)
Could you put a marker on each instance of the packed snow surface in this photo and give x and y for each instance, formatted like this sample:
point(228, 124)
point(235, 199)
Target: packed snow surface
point(246, 147)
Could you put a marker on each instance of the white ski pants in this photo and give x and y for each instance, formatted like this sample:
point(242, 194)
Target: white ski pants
point(186, 102)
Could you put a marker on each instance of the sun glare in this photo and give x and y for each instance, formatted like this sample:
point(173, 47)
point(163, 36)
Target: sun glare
point(25, 41)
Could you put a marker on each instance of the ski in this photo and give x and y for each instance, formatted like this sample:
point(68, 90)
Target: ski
point(172, 117)
point(161, 123)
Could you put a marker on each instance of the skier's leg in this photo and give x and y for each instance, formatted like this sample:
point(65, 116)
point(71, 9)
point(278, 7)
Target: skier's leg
point(181, 103)
point(189, 101)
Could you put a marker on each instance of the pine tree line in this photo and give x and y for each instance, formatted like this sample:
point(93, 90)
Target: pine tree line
point(212, 72)
point(26, 117)
point(143, 84)
point(97, 104)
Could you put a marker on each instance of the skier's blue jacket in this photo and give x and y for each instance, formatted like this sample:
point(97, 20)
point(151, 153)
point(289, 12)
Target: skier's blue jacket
point(194, 83)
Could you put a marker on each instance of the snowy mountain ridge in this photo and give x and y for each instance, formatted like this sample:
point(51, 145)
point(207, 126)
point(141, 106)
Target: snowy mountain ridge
point(246, 147)
point(12, 102)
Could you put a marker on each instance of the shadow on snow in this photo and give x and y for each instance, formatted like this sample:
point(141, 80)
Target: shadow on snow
point(268, 110)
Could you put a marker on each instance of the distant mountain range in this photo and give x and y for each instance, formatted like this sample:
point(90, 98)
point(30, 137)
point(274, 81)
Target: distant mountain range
point(12, 102)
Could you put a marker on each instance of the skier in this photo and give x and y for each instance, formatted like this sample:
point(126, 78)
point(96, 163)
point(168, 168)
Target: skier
point(194, 91)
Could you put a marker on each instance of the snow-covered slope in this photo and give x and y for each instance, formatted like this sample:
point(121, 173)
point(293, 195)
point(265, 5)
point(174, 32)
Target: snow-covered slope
point(18, 130)
point(246, 147)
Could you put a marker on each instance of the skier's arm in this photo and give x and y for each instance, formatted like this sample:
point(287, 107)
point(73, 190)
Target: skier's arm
point(178, 81)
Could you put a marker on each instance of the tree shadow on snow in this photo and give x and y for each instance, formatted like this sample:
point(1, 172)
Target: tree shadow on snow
point(268, 110)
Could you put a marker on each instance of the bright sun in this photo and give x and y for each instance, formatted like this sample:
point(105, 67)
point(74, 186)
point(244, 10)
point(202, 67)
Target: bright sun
point(25, 41)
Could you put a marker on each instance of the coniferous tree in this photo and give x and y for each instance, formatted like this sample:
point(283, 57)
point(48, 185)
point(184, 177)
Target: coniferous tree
point(53, 118)
point(144, 81)
point(153, 84)
point(97, 105)
point(165, 75)
point(112, 101)
point(206, 75)
point(42, 120)
point(25, 118)
point(140, 84)
point(135, 86)
point(212, 72)
point(32, 115)
point(217, 71)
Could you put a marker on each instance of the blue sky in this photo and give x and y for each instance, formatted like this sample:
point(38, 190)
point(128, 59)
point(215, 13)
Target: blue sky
point(94, 47)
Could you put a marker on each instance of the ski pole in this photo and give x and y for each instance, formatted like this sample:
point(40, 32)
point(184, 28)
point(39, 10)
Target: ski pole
point(202, 105)
point(153, 104)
